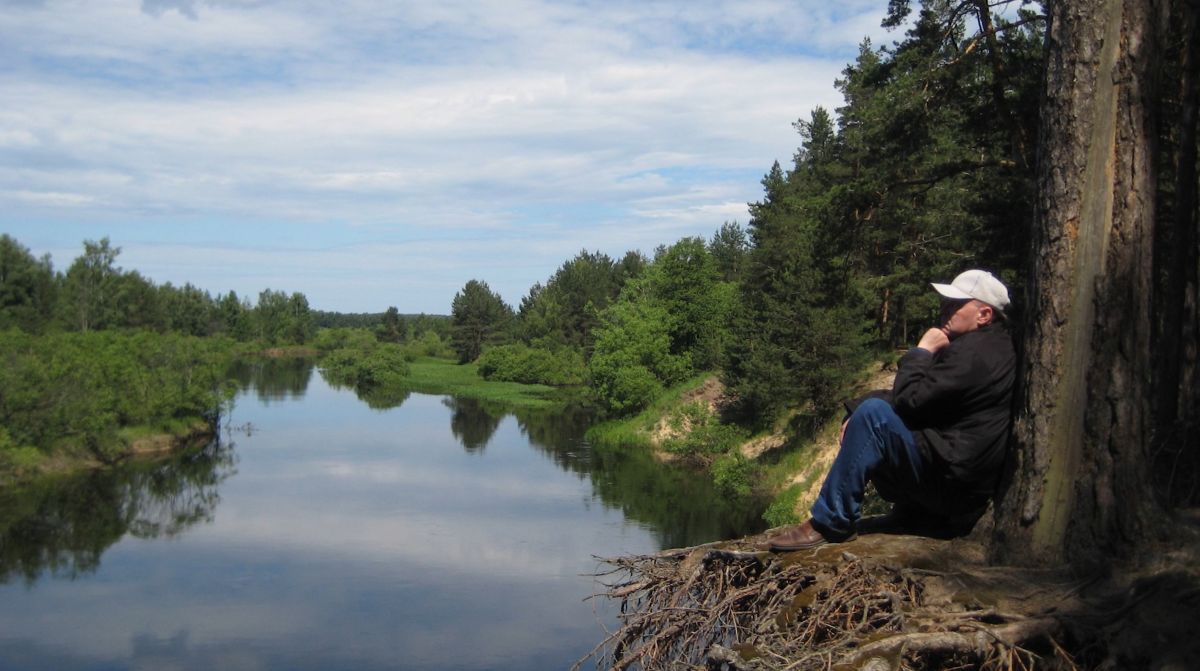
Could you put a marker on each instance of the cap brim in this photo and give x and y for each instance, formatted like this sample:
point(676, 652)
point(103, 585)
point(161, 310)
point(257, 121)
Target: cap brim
point(950, 292)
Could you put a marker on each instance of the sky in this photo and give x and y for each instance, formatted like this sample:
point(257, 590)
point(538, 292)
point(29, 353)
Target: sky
point(372, 153)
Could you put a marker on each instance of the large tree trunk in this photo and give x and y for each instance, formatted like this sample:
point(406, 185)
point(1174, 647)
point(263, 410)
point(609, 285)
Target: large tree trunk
point(1081, 487)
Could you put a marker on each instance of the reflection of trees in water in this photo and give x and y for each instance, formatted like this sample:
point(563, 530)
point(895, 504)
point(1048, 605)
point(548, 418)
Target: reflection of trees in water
point(379, 398)
point(557, 432)
point(63, 525)
point(680, 504)
point(273, 379)
point(376, 398)
point(472, 421)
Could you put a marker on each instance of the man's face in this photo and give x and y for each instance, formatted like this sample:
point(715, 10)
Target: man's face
point(964, 316)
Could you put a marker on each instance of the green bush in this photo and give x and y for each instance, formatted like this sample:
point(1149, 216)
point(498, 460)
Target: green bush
point(15, 457)
point(701, 432)
point(528, 365)
point(386, 365)
point(379, 365)
point(624, 389)
point(782, 510)
point(77, 390)
point(632, 359)
point(430, 344)
point(732, 474)
point(330, 339)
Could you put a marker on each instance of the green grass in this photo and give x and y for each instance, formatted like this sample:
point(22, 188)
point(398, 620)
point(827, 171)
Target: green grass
point(443, 376)
point(783, 509)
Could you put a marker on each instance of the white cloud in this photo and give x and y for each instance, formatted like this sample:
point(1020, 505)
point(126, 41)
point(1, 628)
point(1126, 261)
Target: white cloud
point(586, 122)
point(51, 198)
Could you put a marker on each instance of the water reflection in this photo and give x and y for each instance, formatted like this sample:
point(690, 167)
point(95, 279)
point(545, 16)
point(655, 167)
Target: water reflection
point(558, 433)
point(381, 399)
point(376, 398)
point(273, 379)
point(473, 422)
point(680, 506)
point(63, 526)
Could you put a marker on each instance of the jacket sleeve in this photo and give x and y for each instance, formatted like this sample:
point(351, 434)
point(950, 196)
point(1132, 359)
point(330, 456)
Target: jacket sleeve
point(928, 382)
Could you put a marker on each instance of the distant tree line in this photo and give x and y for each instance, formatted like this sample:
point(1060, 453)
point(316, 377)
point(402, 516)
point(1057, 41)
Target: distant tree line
point(390, 325)
point(94, 294)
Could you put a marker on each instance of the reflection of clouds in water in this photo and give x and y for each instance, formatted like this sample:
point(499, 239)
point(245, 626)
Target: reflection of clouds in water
point(366, 616)
point(464, 543)
point(492, 485)
point(96, 619)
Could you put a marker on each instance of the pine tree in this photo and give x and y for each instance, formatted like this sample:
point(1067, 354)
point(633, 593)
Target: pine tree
point(479, 317)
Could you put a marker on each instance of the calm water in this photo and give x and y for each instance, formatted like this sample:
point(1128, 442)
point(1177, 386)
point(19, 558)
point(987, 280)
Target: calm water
point(324, 531)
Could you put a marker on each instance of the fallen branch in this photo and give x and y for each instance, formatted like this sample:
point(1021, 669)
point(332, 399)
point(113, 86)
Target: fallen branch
point(982, 643)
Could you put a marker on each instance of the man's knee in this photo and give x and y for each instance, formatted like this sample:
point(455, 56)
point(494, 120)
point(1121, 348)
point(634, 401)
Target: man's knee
point(873, 409)
point(864, 425)
point(877, 423)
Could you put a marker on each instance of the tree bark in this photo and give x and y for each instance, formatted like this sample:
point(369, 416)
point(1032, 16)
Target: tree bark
point(1080, 488)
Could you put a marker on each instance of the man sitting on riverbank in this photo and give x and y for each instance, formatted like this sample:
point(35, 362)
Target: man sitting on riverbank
point(935, 445)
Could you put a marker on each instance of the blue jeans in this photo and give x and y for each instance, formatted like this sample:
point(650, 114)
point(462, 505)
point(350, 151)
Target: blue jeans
point(877, 447)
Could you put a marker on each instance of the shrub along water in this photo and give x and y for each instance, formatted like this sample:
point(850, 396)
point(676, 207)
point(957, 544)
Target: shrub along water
point(80, 395)
point(521, 363)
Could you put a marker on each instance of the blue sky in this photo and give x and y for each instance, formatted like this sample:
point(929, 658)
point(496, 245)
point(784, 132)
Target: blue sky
point(371, 153)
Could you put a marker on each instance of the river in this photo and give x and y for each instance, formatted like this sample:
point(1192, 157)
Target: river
point(322, 531)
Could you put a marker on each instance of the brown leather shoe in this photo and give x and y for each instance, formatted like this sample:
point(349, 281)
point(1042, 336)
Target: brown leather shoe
point(802, 537)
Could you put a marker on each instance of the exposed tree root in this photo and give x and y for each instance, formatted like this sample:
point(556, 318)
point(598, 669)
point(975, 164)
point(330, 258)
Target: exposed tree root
point(915, 604)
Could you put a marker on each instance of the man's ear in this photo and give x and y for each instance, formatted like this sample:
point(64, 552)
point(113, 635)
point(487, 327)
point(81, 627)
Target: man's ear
point(987, 314)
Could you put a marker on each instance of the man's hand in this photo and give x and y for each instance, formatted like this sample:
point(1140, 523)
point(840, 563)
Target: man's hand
point(842, 433)
point(934, 339)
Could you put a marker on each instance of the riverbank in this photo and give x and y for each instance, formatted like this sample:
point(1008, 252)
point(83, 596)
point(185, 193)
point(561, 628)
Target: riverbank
point(142, 443)
point(74, 399)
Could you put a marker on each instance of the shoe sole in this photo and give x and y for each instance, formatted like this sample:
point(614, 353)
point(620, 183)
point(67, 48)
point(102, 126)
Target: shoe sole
point(808, 546)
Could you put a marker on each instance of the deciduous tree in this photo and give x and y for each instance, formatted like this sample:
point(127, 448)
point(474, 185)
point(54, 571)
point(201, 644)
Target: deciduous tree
point(89, 286)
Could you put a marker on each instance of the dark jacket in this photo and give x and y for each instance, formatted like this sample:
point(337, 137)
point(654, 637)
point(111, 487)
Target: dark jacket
point(958, 404)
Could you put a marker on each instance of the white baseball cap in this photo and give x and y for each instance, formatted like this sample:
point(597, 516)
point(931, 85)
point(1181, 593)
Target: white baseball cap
point(978, 284)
